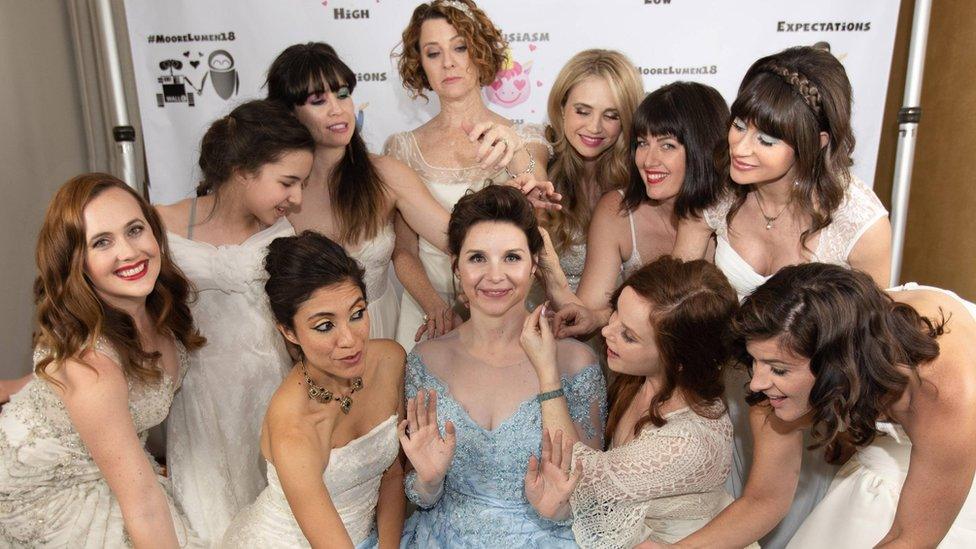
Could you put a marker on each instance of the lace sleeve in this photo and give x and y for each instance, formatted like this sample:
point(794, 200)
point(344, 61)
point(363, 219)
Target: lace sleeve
point(860, 209)
point(395, 147)
point(586, 394)
point(533, 134)
point(688, 455)
point(715, 215)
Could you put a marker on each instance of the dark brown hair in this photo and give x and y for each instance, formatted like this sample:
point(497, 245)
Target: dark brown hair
point(794, 95)
point(692, 304)
point(855, 336)
point(297, 266)
point(695, 115)
point(356, 191)
point(252, 135)
point(71, 317)
point(493, 203)
point(486, 45)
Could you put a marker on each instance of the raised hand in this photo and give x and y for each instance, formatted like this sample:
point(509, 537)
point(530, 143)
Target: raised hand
point(421, 440)
point(539, 345)
point(542, 194)
point(499, 143)
point(440, 319)
point(574, 319)
point(549, 481)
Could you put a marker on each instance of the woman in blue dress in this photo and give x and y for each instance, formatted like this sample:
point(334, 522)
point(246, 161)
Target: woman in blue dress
point(473, 416)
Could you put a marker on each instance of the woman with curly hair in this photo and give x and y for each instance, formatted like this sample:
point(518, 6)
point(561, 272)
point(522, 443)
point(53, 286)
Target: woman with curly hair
point(111, 349)
point(452, 48)
point(887, 373)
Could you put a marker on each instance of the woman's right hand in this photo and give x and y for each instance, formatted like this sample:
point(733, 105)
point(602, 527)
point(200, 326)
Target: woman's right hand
point(440, 319)
point(549, 482)
point(421, 440)
point(574, 320)
point(540, 346)
point(542, 194)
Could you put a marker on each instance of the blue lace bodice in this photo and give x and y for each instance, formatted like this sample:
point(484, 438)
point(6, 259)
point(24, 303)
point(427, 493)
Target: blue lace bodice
point(483, 502)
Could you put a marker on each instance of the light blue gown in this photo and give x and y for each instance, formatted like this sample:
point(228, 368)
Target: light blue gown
point(483, 501)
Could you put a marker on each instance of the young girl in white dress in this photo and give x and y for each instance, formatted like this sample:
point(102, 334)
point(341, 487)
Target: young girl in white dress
point(114, 330)
point(887, 374)
point(791, 198)
point(453, 49)
point(330, 435)
point(255, 162)
point(670, 438)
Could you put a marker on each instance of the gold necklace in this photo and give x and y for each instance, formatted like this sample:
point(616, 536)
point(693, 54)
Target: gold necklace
point(323, 395)
point(770, 220)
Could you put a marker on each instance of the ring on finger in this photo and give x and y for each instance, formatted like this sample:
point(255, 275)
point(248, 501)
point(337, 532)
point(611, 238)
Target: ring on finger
point(426, 318)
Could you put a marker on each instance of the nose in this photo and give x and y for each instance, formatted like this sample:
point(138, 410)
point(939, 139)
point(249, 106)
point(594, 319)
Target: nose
point(496, 271)
point(125, 250)
point(448, 59)
point(295, 196)
point(595, 125)
point(650, 157)
point(740, 144)
point(608, 330)
point(345, 337)
point(760, 378)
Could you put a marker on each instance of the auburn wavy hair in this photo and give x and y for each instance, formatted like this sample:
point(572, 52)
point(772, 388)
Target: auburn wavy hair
point(486, 44)
point(70, 315)
point(855, 336)
point(692, 304)
point(569, 224)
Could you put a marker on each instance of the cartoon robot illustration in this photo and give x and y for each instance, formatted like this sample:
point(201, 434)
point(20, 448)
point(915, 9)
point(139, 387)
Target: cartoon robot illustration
point(511, 85)
point(174, 85)
point(223, 76)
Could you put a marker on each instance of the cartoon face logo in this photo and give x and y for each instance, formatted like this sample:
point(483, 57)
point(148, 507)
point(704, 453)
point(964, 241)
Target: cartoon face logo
point(223, 75)
point(511, 86)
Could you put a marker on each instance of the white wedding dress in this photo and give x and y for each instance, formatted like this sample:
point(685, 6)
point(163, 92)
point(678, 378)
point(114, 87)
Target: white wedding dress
point(353, 480)
point(859, 210)
point(860, 505)
point(213, 430)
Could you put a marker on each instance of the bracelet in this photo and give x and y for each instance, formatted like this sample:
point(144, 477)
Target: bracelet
point(542, 397)
point(528, 169)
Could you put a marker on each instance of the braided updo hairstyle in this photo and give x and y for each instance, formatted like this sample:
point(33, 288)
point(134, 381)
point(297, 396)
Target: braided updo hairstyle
point(794, 95)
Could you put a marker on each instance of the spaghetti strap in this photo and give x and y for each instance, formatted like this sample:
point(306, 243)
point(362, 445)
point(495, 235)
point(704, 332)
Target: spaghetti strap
point(193, 219)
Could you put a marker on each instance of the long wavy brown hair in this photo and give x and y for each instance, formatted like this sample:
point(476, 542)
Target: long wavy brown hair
point(692, 304)
point(70, 315)
point(794, 95)
point(485, 42)
point(855, 336)
point(612, 170)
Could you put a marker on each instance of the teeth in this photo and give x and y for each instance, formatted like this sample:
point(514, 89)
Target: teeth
point(133, 271)
point(656, 177)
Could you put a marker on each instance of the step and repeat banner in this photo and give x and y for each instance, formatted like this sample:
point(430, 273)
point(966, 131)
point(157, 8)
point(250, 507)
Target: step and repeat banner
point(194, 61)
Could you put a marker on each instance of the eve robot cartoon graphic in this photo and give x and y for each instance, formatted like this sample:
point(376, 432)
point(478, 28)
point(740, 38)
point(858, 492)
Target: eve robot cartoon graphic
point(223, 76)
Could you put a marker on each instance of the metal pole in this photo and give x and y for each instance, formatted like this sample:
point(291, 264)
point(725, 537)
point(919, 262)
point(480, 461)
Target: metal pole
point(124, 135)
point(908, 118)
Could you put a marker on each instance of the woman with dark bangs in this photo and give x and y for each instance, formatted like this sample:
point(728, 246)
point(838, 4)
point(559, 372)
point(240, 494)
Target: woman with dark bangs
point(111, 349)
point(669, 436)
point(887, 374)
point(790, 199)
point(676, 130)
point(351, 195)
point(452, 48)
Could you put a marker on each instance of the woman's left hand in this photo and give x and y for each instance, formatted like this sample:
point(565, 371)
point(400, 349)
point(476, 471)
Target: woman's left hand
point(539, 344)
point(542, 194)
point(549, 481)
point(499, 143)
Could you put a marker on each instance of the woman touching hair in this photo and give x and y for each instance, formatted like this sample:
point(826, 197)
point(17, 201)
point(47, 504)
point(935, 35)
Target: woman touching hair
point(111, 349)
point(329, 437)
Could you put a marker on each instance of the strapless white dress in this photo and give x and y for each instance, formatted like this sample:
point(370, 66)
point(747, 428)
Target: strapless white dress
point(860, 506)
point(353, 480)
point(859, 210)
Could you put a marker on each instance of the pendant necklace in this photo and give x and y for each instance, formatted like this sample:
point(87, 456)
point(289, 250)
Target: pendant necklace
point(770, 219)
point(323, 395)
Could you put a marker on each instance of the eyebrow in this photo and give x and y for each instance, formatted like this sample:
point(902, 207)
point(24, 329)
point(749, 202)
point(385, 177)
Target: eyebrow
point(330, 314)
point(453, 38)
point(109, 233)
point(469, 252)
point(588, 106)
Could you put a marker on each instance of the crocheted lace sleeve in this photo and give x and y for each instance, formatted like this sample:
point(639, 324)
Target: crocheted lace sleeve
point(689, 455)
point(396, 146)
point(715, 215)
point(533, 133)
point(859, 210)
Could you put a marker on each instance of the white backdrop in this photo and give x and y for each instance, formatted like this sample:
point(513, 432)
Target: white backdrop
point(195, 60)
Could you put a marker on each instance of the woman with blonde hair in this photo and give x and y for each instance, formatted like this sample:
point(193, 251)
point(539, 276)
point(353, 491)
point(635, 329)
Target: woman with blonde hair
point(591, 107)
point(452, 48)
point(111, 349)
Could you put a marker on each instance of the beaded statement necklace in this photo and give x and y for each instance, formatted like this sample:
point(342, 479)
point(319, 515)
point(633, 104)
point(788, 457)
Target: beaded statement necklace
point(321, 394)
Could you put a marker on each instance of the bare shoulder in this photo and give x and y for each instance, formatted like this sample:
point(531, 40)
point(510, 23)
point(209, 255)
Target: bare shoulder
point(609, 205)
point(388, 357)
point(394, 173)
point(573, 356)
point(175, 216)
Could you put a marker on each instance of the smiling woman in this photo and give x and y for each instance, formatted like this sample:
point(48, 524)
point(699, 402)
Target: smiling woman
point(114, 330)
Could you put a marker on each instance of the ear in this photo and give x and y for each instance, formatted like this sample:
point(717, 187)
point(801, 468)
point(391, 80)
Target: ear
point(289, 334)
point(824, 139)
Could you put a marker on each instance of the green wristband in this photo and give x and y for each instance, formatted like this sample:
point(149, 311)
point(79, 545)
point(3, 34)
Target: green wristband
point(542, 397)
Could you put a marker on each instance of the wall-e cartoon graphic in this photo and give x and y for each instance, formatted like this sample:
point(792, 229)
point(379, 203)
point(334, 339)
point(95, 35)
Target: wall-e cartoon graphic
point(223, 76)
point(174, 85)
